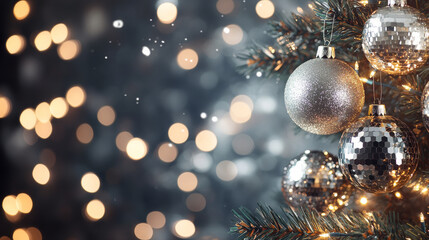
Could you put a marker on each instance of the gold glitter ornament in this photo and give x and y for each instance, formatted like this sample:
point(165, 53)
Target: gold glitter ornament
point(395, 38)
point(378, 153)
point(314, 179)
point(324, 95)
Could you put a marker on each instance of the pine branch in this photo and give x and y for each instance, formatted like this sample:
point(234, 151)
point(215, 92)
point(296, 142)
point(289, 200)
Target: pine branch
point(306, 223)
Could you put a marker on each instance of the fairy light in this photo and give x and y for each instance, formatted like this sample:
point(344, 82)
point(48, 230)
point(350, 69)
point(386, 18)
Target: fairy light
point(372, 74)
point(357, 66)
point(406, 87)
point(187, 59)
point(136, 149)
point(424, 190)
point(324, 235)
point(363, 200)
point(398, 195)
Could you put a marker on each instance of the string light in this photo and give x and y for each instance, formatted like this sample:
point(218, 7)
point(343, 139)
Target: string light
point(363, 200)
point(143, 231)
point(357, 66)
point(324, 235)
point(76, 96)
point(406, 87)
point(184, 228)
point(178, 133)
point(398, 195)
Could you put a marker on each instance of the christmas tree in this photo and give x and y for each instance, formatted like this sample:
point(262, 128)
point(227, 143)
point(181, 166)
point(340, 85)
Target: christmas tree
point(371, 37)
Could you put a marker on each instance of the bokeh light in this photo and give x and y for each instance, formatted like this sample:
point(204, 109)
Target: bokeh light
point(9, 205)
point(187, 59)
point(5, 106)
point(156, 219)
point(225, 6)
point(24, 203)
point(143, 231)
point(68, 49)
point(240, 112)
point(167, 12)
point(15, 44)
point(43, 41)
point(43, 129)
point(122, 140)
point(167, 152)
point(243, 98)
point(206, 141)
point(196, 202)
point(41, 174)
point(232, 34)
point(76, 96)
point(34, 233)
point(58, 107)
point(136, 149)
point(84, 133)
point(265, 9)
point(95, 210)
point(21, 10)
point(242, 144)
point(43, 112)
point(90, 182)
point(187, 182)
point(20, 234)
point(59, 33)
point(184, 228)
point(178, 133)
point(226, 170)
point(28, 119)
point(106, 115)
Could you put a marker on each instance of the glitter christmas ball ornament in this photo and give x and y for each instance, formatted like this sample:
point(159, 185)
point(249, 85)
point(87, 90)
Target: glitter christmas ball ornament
point(314, 179)
point(378, 153)
point(324, 95)
point(425, 106)
point(395, 38)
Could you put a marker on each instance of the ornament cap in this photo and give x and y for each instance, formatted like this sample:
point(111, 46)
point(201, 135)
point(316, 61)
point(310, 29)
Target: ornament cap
point(377, 110)
point(325, 52)
point(399, 3)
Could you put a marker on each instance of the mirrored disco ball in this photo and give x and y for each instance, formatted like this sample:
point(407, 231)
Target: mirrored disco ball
point(378, 154)
point(314, 179)
point(395, 39)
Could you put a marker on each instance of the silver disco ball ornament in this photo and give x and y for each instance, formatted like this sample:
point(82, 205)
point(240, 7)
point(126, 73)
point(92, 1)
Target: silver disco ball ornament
point(425, 106)
point(395, 38)
point(314, 179)
point(324, 95)
point(378, 153)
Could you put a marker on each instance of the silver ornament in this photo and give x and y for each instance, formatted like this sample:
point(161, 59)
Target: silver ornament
point(425, 106)
point(378, 153)
point(324, 95)
point(314, 179)
point(395, 38)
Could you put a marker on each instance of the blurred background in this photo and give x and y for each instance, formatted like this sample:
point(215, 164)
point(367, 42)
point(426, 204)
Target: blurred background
point(128, 119)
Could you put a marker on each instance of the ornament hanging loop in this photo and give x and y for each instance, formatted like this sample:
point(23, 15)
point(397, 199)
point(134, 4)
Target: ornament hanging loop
point(325, 41)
